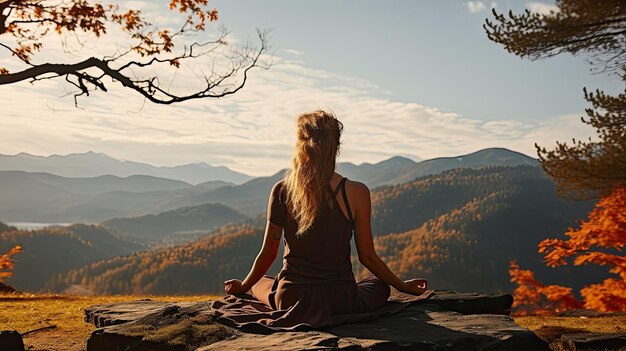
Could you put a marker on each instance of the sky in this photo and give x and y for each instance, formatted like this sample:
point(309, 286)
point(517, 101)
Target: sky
point(417, 79)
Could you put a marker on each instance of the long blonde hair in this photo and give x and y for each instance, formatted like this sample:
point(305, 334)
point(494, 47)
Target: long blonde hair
point(313, 165)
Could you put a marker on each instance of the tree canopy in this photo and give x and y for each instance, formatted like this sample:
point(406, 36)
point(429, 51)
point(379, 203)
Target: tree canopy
point(597, 29)
point(599, 240)
point(28, 26)
point(589, 168)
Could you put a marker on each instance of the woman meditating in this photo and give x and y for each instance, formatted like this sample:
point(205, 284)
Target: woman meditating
point(317, 210)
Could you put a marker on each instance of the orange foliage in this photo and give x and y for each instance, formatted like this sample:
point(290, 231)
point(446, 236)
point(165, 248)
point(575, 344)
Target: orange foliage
point(604, 231)
point(6, 262)
point(32, 20)
point(532, 297)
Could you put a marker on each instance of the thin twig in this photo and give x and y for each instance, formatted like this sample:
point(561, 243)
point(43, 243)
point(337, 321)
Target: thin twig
point(51, 326)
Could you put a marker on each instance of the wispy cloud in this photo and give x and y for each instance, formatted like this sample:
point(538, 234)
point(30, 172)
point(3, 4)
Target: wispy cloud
point(475, 6)
point(542, 8)
point(253, 131)
point(293, 52)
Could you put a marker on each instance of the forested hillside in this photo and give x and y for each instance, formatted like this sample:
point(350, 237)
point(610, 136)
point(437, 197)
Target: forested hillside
point(52, 250)
point(408, 205)
point(469, 247)
point(198, 267)
point(458, 228)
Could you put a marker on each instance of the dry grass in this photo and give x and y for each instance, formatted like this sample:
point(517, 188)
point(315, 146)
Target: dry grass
point(550, 328)
point(63, 315)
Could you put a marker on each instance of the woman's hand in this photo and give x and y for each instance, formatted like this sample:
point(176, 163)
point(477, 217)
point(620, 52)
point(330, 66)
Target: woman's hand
point(234, 287)
point(415, 286)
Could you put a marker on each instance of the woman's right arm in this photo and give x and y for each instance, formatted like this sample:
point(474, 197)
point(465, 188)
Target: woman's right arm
point(365, 244)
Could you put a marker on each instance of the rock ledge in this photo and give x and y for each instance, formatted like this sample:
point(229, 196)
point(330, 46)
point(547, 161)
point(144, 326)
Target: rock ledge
point(446, 321)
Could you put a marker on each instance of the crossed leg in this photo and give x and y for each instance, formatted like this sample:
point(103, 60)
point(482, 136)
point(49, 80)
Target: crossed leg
point(373, 293)
point(261, 290)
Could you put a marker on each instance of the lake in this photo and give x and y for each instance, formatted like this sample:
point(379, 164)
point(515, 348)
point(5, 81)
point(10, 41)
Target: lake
point(34, 225)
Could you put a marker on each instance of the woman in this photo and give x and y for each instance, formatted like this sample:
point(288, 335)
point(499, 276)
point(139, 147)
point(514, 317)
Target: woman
point(317, 210)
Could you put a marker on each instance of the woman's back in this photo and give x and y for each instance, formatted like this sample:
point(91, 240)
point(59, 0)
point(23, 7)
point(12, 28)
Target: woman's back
point(321, 255)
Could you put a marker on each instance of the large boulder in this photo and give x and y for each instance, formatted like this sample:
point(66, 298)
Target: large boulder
point(445, 321)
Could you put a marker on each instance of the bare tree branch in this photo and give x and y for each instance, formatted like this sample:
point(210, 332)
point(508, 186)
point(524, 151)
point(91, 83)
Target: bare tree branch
point(126, 66)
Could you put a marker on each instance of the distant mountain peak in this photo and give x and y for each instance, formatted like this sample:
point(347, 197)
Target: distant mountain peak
point(397, 160)
point(92, 164)
point(89, 154)
point(498, 149)
point(22, 154)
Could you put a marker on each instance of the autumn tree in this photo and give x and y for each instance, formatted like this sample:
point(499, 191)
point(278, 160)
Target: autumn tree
point(28, 27)
point(533, 297)
point(599, 240)
point(6, 262)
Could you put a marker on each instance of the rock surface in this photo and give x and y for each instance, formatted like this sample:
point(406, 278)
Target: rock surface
point(446, 321)
point(11, 340)
point(591, 341)
point(148, 325)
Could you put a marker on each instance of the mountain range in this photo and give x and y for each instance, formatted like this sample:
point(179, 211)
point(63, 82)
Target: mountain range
point(398, 169)
point(92, 164)
point(40, 197)
point(44, 197)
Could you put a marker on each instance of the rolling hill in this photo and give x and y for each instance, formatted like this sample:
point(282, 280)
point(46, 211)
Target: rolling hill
point(52, 250)
point(97, 185)
point(250, 197)
point(44, 197)
point(459, 229)
point(198, 219)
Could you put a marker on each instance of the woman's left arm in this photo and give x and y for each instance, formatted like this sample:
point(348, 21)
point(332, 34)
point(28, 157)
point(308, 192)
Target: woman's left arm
point(276, 219)
point(262, 263)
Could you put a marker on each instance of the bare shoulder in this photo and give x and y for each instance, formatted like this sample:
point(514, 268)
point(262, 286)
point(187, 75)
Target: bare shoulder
point(357, 189)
